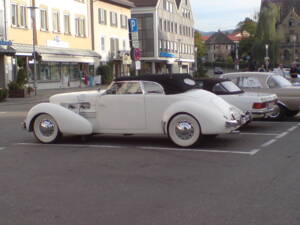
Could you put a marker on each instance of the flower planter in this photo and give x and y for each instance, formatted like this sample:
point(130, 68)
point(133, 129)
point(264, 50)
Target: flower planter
point(18, 93)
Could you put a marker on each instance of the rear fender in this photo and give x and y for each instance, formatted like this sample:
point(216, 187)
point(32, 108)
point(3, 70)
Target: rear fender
point(68, 121)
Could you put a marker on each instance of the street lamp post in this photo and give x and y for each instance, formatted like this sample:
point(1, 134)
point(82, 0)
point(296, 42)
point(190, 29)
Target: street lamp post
point(267, 57)
point(179, 54)
point(196, 59)
point(237, 66)
point(33, 20)
point(294, 39)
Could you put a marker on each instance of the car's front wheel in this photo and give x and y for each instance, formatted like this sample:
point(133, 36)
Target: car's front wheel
point(184, 130)
point(45, 129)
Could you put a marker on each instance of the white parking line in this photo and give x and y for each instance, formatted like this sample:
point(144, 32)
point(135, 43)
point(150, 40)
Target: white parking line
point(3, 112)
point(2, 148)
point(70, 145)
point(260, 134)
point(282, 135)
point(142, 147)
point(268, 143)
point(292, 128)
point(196, 150)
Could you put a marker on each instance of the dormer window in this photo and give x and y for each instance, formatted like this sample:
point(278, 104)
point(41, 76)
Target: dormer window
point(291, 23)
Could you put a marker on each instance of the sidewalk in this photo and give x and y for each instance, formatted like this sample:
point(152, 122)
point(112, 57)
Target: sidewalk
point(43, 95)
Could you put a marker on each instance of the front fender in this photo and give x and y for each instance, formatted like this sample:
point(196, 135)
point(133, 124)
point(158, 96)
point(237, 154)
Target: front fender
point(68, 121)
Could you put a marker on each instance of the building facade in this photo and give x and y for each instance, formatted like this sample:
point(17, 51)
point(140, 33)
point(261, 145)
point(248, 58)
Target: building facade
point(111, 37)
point(219, 47)
point(287, 29)
point(166, 35)
point(61, 34)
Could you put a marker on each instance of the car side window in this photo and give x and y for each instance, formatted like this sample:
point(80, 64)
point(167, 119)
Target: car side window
point(125, 88)
point(218, 88)
point(249, 82)
point(153, 88)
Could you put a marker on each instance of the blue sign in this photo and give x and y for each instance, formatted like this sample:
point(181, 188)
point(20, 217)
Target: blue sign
point(133, 25)
point(8, 43)
point(167, 55)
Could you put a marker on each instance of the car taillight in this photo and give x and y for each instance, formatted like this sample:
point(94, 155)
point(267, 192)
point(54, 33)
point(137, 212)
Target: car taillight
point(259, 105)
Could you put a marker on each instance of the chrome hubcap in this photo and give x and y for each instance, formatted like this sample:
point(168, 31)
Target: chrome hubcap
point(184, 130)
point(47, 128)
point(276, 112)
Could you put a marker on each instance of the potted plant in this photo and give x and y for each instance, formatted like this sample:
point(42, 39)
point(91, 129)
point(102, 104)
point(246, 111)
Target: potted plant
point(3, 94)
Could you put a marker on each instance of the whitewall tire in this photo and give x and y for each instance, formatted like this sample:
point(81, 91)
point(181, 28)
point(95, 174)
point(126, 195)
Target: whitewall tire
point(45, 129)
point(184, 130)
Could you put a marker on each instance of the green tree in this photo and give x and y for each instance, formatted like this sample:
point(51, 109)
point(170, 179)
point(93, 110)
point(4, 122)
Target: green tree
point(199, 43)
point(247, 25)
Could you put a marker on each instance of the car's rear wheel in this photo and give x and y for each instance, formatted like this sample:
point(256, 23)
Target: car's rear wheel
point(184, 130)
point(45, 129)
point(278, 114)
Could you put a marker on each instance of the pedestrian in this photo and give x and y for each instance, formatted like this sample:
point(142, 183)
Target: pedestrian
point(262, 68)
point(279, 70)
point(294, 72)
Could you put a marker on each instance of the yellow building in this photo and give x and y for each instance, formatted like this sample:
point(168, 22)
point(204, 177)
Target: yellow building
point(111, 37)
point(62, 40)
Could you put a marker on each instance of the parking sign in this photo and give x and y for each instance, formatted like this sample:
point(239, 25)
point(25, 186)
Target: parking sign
point(133, 26)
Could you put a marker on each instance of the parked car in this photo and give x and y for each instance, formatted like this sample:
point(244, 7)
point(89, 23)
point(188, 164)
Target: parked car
point(288, 95)
point(218, 70)
point(153, 104)
point(260, 105)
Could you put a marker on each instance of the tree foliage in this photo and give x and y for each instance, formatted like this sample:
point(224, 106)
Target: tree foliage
point(199, 43)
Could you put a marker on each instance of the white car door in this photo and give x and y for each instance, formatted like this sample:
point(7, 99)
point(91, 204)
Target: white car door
point(122, 107)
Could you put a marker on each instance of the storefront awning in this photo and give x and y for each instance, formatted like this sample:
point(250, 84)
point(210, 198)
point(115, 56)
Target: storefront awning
point(53, 54)
point(7, 50)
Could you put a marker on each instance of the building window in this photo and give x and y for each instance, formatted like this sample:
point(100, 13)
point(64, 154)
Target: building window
point(14, 14)
point(102, 44)
point(124, 21)
point(55, 20)
point(44, 19)
point(160, 24)
point(165, 25)
point(67, 24)
point(102, 16)
point(124, 45)
point(113, 19)
point(291, 23)
point(22, 16)
point(80, 26)
point(114, 47)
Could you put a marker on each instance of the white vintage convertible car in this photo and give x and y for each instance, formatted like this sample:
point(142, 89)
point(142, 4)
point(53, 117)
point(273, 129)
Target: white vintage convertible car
point(150, 104)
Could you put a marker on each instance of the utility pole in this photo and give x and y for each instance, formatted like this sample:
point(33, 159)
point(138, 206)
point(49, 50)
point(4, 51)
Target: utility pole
point(34, 43)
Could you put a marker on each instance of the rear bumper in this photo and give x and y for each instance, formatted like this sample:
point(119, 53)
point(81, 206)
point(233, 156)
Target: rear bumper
point(235, 124)
point(262, 113)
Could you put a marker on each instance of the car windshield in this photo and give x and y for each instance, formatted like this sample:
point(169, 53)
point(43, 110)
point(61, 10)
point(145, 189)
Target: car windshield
point(278, 81)
point(231, 87)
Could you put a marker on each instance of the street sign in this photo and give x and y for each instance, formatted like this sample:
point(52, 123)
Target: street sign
point(135, 44)
point(7, 43)
point(133, 26)
point(137, 65)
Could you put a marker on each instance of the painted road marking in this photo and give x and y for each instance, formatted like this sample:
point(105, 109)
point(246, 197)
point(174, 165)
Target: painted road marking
point(292, 128)
point(268, 143)
point(142, 148)
point(3, 112)
point(260, 134)
point(70, 145)
point(2, 148)
point(282, 135)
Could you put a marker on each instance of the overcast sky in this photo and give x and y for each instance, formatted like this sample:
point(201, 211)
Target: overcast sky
point(211, 15)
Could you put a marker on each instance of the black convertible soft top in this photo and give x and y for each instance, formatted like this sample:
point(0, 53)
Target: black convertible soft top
point(172, 83)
